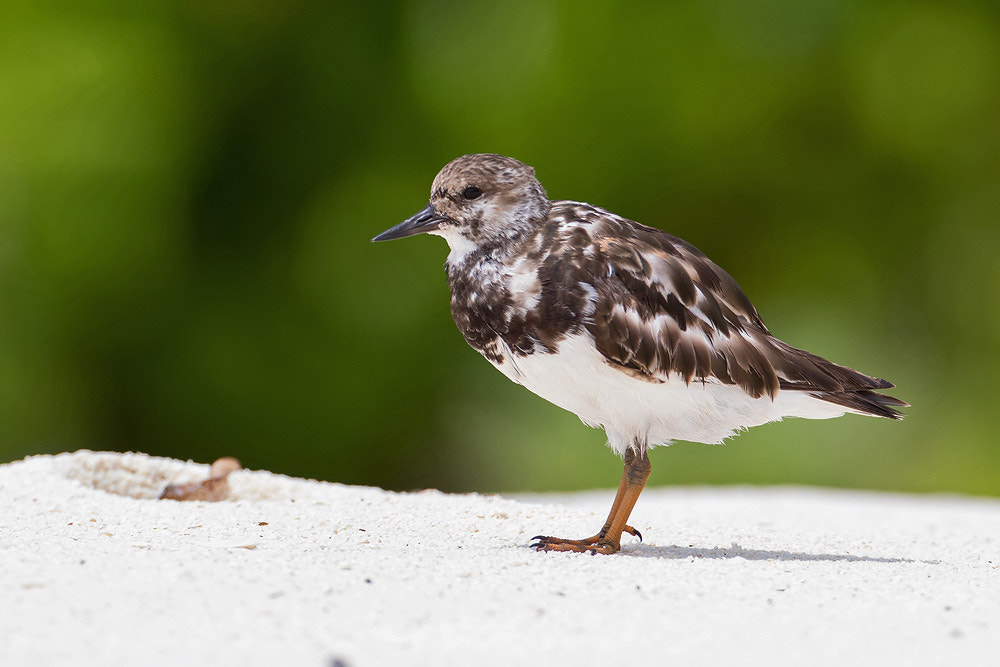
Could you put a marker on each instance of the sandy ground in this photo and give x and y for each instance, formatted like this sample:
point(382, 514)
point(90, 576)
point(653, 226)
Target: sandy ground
point(95, 571)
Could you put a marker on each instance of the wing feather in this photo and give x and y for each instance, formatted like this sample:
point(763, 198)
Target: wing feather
point(662, 308)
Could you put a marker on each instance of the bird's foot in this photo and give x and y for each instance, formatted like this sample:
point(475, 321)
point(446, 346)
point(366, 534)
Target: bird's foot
point(590, 545)
point(597, 544)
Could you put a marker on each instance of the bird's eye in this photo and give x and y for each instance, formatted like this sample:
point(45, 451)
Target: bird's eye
point(472, 192)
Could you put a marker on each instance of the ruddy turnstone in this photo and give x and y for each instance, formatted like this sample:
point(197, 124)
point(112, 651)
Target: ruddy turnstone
point(632, 329)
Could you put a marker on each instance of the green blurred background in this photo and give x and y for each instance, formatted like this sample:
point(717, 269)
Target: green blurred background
point(187, 190)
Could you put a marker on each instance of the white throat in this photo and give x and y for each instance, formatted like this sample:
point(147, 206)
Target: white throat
point(460, 246)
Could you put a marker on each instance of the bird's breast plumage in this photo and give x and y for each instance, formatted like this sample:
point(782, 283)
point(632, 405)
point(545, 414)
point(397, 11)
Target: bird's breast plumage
point(516, 304)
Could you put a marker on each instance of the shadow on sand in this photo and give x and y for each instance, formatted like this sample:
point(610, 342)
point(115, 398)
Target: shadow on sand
point(736, 551)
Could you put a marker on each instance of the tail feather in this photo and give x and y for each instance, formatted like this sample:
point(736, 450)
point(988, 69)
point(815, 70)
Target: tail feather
point(799, 370)
point(865, 402)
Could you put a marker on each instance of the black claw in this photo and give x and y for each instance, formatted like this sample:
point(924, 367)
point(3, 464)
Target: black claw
point(638, 534)
point(540, 537)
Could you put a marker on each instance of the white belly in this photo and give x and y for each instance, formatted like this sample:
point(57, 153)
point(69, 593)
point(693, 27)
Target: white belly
point(632, 410)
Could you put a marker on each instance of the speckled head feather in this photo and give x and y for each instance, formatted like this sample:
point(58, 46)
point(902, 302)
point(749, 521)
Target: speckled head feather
point(487, 199)
point(479, 202)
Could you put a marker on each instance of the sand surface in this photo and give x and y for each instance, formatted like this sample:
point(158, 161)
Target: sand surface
point(94, 570)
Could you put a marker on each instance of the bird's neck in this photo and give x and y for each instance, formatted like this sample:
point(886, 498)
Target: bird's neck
point(499, 246)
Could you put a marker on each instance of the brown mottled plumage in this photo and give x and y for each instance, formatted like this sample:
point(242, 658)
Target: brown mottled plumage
point(627, 326)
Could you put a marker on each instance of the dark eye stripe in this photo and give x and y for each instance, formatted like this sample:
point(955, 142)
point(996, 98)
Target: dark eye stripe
point(471, 192)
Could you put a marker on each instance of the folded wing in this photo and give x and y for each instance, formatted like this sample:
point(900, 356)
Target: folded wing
point(666, 310)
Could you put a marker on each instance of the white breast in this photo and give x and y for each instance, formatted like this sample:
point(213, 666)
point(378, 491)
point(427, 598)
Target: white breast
point(631, 410)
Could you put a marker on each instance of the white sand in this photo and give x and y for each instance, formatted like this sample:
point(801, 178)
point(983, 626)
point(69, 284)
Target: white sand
point(95, 571)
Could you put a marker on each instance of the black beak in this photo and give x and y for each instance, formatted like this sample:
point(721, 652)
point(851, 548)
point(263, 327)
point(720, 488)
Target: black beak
point(426, 220)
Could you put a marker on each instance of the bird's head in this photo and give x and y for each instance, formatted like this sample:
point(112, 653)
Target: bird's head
point(478, 201)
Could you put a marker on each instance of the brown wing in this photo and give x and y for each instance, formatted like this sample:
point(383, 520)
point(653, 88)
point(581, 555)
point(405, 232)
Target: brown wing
point(662, 308)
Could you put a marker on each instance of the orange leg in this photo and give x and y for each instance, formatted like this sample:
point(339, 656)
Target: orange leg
point(608, 540)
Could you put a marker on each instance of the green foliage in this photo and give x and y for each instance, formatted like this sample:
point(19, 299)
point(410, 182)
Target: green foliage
point(187, 190)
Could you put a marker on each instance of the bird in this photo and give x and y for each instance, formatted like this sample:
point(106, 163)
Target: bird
point(632, 329)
